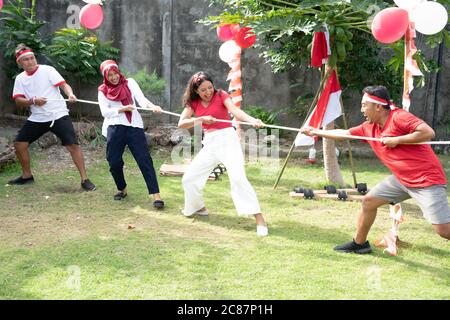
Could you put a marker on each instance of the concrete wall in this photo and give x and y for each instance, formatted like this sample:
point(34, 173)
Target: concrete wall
point(162, 35)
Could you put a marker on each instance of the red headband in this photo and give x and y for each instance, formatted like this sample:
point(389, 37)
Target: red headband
point(23, 53)
point(106, 65)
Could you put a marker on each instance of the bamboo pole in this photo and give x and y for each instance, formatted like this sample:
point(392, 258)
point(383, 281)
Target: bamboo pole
point(311, 108)
point(350, 153)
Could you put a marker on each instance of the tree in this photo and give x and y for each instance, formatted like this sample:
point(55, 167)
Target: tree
point(78, 53)
point(285, 27)
point(19, 26)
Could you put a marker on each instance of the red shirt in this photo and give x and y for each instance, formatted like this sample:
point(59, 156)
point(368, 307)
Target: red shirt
point(215, 108)
point(415, 166)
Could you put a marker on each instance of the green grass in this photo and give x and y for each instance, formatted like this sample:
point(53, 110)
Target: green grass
point(54, 237)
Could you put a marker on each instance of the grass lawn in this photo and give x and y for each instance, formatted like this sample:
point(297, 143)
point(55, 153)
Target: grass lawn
point(57, 242)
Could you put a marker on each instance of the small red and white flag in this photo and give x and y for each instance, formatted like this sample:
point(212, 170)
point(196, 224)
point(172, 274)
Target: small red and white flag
point(411, 67)
point(320, 50)
point(390, 240)
point(328, 108)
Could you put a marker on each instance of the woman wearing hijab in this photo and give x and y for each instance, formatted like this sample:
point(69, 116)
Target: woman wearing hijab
point(123, 126)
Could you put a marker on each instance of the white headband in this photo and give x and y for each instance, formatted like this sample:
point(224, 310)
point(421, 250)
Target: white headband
point(24, 54)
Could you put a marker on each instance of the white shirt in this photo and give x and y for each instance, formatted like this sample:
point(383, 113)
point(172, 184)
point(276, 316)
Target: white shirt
point(43, 83)
point(110, 109)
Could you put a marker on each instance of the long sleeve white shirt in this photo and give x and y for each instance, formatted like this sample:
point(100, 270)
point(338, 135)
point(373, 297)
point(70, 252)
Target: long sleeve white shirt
point(110, 109)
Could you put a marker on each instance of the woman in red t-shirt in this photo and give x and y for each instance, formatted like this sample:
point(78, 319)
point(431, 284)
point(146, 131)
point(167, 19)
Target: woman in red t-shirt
point(220, 145)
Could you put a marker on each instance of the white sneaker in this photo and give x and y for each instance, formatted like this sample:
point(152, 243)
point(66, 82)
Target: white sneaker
point(262, 231)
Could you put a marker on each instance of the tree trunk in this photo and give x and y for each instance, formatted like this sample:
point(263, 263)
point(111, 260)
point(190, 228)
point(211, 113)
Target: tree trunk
point(332, 170)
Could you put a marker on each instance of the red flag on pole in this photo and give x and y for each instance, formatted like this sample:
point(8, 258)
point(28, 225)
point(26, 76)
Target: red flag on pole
point(328, 108)
point(320, 50)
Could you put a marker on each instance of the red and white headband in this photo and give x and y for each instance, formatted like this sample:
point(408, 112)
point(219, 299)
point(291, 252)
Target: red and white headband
point(371, 98)
point(108, 64)
point(23, 53)
point(374, 99)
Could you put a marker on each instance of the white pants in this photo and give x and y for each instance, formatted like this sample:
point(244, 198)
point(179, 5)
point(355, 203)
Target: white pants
point(220, 146)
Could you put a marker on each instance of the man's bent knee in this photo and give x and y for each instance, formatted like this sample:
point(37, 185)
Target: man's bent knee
point(21, 145)
point(372, 203)
point(443, 230)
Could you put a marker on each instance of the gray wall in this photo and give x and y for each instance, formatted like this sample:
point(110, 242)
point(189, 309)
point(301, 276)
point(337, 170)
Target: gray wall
point(162, 35)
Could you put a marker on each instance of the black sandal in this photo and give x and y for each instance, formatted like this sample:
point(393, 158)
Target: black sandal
point(159, 204)
point(120, 195)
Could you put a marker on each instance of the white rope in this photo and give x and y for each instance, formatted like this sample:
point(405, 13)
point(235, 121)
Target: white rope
point(270, 125)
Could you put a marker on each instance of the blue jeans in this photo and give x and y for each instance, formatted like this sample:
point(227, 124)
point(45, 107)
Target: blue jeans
point(120, 136)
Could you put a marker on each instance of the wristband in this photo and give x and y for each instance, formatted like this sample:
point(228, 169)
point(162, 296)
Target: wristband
point(33, 100)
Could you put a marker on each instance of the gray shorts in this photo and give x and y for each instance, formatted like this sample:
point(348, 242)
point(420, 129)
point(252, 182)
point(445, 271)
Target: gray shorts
point(432, 200)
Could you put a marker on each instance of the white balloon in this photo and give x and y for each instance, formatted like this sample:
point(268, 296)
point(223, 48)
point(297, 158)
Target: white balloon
point(430, 17)
point(229, 50)
point(408, 4)
point(94, 1)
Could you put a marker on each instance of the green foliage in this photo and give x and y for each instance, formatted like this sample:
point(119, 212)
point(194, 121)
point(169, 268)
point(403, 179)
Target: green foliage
point(364, 67)
point(301, 106)
point(91, 135)
point(78, 53)
point(284, 30)
point(266, 116)
point(19, 26)
point(150, 83)
point(397, 61)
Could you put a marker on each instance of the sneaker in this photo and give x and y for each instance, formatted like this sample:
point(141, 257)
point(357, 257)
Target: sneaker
point(262, 231)
point(352, 246)
point(20, 180)
point(120, 195)
point(158, 204)
point(87, 185)
point(202, 213)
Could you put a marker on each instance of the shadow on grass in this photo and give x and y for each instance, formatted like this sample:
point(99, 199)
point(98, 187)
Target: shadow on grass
point(108, 265)
point(441, 274)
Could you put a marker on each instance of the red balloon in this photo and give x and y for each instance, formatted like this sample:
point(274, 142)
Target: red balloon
point(91, 16)
point(227, 32)
point(245, 38)
point(390, 24)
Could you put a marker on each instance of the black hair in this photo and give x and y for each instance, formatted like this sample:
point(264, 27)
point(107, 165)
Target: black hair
point(380, 92)
point(194, 82)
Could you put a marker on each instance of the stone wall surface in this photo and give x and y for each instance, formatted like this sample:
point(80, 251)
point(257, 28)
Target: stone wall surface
point(163, 36)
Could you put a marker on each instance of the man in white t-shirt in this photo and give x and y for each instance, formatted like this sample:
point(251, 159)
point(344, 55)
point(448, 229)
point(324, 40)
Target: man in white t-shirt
point(38, 88)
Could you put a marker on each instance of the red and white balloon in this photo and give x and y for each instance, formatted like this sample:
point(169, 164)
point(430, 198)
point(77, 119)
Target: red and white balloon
point(91, 16)
point(227, 32)
point(390, 24)
point(408, 4)
point(429, 17)
point(229, 50)
point(244, 37)
point(93, 1)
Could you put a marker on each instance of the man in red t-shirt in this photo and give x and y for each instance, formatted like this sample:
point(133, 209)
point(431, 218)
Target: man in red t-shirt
point(416, 170)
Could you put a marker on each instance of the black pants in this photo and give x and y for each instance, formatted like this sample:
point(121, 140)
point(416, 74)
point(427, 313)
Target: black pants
point(62, 128)
point(120, 136)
